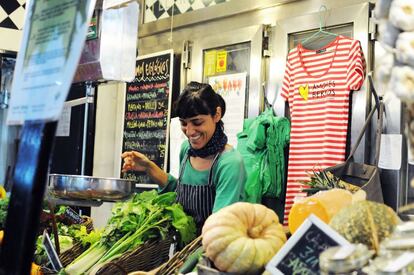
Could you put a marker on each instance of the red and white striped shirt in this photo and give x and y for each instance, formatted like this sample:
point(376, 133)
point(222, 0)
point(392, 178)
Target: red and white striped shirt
point(317, 84)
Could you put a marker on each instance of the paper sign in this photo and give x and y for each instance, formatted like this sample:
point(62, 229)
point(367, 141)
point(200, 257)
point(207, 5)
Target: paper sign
point(300, 254)
point(53, 38)
point(390, 152)
point(232, 87)
point(221, 64)
point(210, 63)
point(51, 252)
point(63, 127)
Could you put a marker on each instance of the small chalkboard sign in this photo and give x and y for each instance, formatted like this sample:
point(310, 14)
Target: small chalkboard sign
point(147, 111)
point(300, 254)
point(74, 217)
point(51, 252)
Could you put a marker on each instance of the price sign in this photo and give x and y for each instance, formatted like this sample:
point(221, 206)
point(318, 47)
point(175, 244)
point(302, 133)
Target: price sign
point(300, 254)
point(51, 252)
point(147, 111)
point(74, 217)
point(53, 37)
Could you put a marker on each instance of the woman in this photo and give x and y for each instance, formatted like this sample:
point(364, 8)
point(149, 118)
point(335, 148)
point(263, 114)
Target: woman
point(212, 173)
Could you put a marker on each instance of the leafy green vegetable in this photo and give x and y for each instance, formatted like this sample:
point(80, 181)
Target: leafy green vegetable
point(61, 209)
point(40, 256)
point(4, 204)
point(146, 216)
point(183, 224)
point(65, 243)
point(86, 238)
point(68, 235)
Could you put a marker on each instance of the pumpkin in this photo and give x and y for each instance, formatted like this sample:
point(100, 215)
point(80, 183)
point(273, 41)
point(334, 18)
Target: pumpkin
point(365, 222)
point(242, 237)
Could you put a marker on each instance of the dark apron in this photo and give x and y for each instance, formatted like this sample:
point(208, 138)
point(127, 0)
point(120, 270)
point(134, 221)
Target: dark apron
point(197, 200)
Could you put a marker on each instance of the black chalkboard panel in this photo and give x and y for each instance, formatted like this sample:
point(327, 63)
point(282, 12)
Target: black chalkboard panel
point(300, 254)
point(147, 111)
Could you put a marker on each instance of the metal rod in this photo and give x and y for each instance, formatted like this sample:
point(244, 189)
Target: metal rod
point(89, 92)
point(54, 227)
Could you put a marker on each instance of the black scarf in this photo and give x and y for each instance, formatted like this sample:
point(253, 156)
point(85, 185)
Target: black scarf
point(214, 145)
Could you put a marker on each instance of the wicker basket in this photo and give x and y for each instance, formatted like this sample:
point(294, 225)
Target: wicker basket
point(174, 264)
point(145, 257)
point(47, 271)
point(206, 267)
point(71, 254)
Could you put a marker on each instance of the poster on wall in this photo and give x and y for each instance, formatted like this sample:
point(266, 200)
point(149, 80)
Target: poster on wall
point(53, 38)
point(147, 112)
point(232, 87)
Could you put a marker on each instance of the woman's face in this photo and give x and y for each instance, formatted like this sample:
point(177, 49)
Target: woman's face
point(199, 129)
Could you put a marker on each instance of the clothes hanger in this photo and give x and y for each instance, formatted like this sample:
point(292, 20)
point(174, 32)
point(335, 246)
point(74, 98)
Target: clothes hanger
point(321, 32)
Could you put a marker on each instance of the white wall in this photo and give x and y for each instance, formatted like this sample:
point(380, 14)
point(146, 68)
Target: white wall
point(108, 140)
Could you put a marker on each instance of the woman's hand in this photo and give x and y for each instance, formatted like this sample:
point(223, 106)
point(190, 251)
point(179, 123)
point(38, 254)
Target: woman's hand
point(136, 161)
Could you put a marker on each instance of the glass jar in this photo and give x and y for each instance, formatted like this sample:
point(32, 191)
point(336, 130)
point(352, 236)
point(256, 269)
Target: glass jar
point(402, 264)
point(402, 240)
point(396, 245)
point(404, 229)
point(348, 260)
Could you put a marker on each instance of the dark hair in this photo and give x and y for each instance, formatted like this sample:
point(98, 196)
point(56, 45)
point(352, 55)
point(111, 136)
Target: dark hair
point(199, 99)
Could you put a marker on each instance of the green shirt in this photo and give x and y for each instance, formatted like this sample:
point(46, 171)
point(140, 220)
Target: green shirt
point(229, 177)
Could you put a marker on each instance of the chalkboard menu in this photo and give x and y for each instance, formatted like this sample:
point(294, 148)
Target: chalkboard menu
point(300, 254)
point(147, 111)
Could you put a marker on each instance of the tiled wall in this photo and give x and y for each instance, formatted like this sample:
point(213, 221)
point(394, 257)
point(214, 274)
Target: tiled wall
point(12, 11)
point(12, 14)
point(159, 9)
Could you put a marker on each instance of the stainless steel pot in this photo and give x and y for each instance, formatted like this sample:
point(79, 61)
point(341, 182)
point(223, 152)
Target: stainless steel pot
point(76, 187)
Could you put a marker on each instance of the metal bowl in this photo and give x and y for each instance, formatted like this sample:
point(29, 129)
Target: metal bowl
point(76, 187)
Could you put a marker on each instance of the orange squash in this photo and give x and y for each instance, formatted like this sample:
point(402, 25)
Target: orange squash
point(302, 209)
point(36, 270)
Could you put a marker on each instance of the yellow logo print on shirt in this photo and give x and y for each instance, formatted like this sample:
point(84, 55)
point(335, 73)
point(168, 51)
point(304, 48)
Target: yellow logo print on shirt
point(304, 92)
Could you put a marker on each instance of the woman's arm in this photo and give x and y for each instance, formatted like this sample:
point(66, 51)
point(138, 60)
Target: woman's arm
point(136, 161)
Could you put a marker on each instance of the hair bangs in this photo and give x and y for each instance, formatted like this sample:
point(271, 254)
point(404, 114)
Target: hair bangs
point(191, 106)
